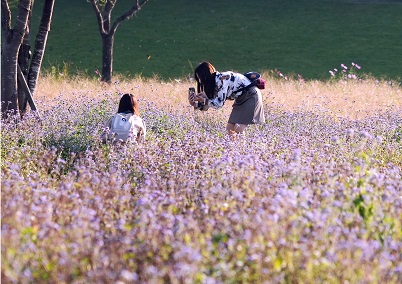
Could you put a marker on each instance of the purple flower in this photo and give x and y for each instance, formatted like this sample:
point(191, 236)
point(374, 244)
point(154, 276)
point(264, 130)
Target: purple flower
point(350, 132)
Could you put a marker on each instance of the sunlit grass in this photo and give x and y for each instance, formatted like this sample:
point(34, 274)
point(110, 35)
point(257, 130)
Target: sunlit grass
point(311, 196)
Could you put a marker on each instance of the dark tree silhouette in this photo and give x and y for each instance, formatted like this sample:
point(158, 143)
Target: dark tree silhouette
point(103, 10)
point(11, 43)
point(19, 73)
point(40, 44)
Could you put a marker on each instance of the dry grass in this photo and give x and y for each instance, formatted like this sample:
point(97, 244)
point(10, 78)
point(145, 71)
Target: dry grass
point(351, 99)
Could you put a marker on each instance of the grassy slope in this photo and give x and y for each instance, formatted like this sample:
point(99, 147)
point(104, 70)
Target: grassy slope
point(305, 37)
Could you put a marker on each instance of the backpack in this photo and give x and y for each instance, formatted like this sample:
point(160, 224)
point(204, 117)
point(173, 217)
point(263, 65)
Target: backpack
point(122, 127)
point(255, 79)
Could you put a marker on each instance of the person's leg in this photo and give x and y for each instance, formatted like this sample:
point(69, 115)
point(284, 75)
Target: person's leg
point(235, 128)
point(230, 128)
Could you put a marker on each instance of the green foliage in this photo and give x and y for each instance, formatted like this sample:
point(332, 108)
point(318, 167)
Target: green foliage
point(365, 211)
point(58, 72)
point(68, 143)
point(397, 136)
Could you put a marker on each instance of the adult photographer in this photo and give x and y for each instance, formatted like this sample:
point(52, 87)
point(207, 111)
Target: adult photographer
point(214, 88)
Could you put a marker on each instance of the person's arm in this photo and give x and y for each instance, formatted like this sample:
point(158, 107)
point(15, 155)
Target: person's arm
point(139, 129)
point(106, 130)
point(143, 131)
point(201, 98)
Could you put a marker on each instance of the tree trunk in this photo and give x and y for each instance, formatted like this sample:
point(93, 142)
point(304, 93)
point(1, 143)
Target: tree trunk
point(9, 58)
point(23, 62)
point(9, 93)
point(107, 57)
point(40, 45)
point(107, 31)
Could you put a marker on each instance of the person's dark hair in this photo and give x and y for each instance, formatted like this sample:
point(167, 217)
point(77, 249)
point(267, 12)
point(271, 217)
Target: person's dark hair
point(128, 104)
point(204, 74)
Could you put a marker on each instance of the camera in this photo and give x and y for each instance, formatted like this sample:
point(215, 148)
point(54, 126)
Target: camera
point(191, 96)
point(191, 92)
point(196, 105)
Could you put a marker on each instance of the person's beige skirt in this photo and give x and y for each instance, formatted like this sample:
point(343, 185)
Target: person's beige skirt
point(248, 108)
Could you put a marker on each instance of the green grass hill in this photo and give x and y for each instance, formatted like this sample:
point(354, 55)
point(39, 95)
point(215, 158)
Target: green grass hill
point(168, 38)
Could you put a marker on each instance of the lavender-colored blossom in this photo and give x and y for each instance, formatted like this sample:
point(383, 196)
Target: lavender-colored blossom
point(303, 192)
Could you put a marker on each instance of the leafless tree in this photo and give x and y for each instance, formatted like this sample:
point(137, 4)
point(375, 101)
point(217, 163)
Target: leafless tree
point(103, 10)
point(20, 72)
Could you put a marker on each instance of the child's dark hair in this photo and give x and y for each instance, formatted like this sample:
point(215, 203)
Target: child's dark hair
point(204, 74)
point(128, 104)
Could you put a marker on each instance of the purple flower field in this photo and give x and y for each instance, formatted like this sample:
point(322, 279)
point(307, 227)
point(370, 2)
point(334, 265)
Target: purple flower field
point(312, 196)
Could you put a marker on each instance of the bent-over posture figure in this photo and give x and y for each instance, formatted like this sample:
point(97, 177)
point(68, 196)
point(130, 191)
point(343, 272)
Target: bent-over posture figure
point(214, 88)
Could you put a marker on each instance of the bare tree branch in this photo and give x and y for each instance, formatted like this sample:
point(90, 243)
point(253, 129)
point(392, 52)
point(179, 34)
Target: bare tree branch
point(129, 14)
point(31, 102)
point(99, 16)
point(107, 14)
point(104, 14)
